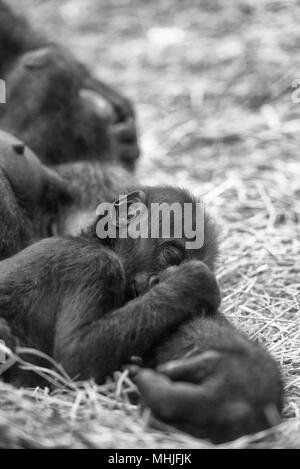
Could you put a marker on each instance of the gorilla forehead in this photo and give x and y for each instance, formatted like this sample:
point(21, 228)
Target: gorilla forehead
point(167, 194)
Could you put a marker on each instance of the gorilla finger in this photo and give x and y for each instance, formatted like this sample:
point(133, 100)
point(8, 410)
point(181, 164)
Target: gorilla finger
point(168, 400)
point(122, 106)
point(137, 361)
point(98, 104)
point(193, 369)
point(133, 370)
point(125, 132)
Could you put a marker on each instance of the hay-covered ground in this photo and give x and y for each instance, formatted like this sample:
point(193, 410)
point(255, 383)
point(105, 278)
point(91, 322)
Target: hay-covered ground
point(212, 82)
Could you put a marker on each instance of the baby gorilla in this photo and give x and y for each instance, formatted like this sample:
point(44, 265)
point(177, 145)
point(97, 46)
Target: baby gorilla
point(92, 304)
point(66, 114)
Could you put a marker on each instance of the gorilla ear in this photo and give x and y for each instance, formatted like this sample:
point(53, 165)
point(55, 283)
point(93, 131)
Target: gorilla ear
point(133, 197)
point(126, 207)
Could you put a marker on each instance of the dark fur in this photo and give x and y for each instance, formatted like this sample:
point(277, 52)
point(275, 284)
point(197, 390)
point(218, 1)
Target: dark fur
point(30, 196)
point(220, 386)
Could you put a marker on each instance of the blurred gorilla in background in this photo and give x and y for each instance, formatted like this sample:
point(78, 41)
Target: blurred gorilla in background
point(55, 105)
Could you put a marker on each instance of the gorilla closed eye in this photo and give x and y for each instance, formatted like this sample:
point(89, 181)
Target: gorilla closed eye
point(172, 254)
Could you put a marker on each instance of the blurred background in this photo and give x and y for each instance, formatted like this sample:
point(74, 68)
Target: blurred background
point(211, 79)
